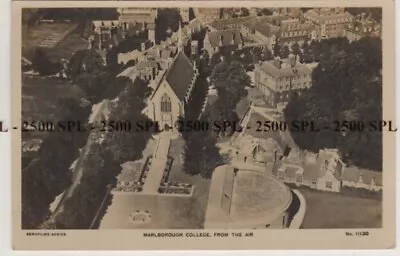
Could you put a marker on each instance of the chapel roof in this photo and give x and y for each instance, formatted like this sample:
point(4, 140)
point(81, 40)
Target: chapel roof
point(180, 74)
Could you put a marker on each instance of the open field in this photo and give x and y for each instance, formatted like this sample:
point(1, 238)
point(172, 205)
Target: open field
point(67, 47)
point(330, 210)
point(39, 100)
point(167, 211)
point(40, 96)
point(46, 35)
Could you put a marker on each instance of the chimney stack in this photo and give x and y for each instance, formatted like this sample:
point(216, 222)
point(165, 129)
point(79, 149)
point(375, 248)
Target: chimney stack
point(277, 62)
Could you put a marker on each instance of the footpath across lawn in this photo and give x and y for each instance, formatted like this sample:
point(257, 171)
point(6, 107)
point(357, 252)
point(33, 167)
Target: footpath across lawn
point(331, 210)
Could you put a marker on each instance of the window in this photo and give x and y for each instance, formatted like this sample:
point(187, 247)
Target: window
point(328, 184)
point(165, 104)
point(281, 175)
point(299, 178)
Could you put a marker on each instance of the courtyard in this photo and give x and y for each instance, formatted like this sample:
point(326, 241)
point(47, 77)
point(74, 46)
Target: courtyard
point(177, 212)
point(330, 210)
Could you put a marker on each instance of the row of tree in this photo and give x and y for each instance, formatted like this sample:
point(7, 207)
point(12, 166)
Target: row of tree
point(49, 174)
point(201, 154)
point(310, 51)
point(347, 86)
point(84, 208)
point(230, 80)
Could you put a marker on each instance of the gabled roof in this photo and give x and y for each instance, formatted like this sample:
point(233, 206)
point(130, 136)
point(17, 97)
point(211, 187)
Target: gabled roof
point(179, 75)
point(264, 29)
point(225, 37)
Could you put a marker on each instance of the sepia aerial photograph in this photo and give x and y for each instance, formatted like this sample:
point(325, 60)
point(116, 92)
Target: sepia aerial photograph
point(201, 118)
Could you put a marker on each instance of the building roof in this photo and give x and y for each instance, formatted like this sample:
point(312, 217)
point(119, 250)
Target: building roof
point(166, 53)
point(128, 72)
point(180, 74)
point(326, 16)
point(132, 55)
point(249, 197)
point(225, 37)
point(151, 26)
point(299, 69)
point(312, 170)
point(242, 107)
point(227, 23)
point(264, 29)
point(142, 65)
point(352, 174)
point(256, 195)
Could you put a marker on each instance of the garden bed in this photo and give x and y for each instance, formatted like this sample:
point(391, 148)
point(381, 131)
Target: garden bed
point(167, 170)
point(131, 186)
point(145, 170)
point(176, 188)
point(135, 185)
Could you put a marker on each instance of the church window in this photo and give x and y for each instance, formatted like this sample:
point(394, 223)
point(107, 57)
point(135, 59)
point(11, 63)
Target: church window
point(281, 174)
point(165, 103)
point(328, 184)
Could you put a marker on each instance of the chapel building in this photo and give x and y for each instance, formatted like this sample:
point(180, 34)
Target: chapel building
point(172, 92)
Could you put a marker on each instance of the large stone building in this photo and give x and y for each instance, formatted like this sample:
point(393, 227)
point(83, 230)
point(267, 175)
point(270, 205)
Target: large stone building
point(137, 15)
point(362, 27)
point(246, 199)
point(320, 171)
point(216, 41)
point(329, 22)
point(172, 90)
point(139, 22)
point(279, 79)
point(294, 31)
point(207, 14)
point(325, 171)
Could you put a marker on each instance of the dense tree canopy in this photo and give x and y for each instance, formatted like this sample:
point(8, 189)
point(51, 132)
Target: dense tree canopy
point(167, 19)
point(201, 155)
point(102, 165)
point(43, 65)
point(347, 86)
point(49, 174)
point(230, 80)
point(375, 12)
point(84, 61)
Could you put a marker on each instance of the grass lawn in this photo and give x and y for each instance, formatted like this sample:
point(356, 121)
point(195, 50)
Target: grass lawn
point(195, 207)
point(330, 210)
point(39, 100)
point(33, 36)
point(40, 96)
